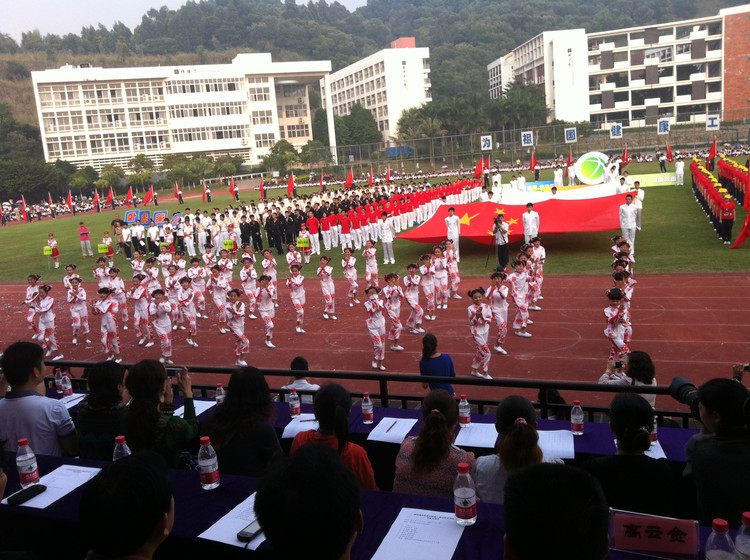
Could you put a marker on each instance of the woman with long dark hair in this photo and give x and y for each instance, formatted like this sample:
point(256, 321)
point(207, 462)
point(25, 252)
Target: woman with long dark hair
point(149, 421)
point(434, 363)
point(240, 431)
point(332, 405)
point(638, 370)
point(100, 416)
point(427, 464)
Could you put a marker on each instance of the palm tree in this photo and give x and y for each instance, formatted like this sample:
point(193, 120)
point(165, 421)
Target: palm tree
point(431, 127)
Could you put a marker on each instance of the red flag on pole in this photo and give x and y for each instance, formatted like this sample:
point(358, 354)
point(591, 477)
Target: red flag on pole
point(69, 201)
point(625, 157)
point(23, 208)
point(349, 179)
point(129, 197)
point(570, 159)
point(388, 175)
point(49, 196)
point(149, 196)
point(747, 192)
point(369, 182)
point(96, 198)
point(262, 194)
point(478, 169)
point(176, 193)
point(231, 187)
point(487, 163)
point(110, 197)
point(670, 155)
point(204, 190)
point(712, 152)
point(534, 162)
point(290, 187)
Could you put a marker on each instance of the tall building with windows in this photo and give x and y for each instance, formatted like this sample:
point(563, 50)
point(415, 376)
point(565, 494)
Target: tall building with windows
point(681, 71)
point(98, 116)
point(386, 83)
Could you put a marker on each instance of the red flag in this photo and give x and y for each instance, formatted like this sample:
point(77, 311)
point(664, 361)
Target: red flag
point(110, 197)
point(625, 158)
point(747, 192)
point(231, 187)
point(570, 160)
point(176, 191)
point(49, 196)
point(149, 196)
point(388, 175)
point(369, 182)
point(712, 152)
point(487, 164)
point(23, 208)
point(262, 194)
point(534, 162)
point(478, 169)
point(96, 198)
point(204, 190)
point(129, 197)
point(744, 232)
point(290, 187)
point(670, 155)
point(70, 201)
point(349, 179)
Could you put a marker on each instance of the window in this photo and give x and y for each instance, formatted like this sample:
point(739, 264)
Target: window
point(292, 111)
point(265, 140)
point(262, 117)
point(297, 130)
point(259, 94)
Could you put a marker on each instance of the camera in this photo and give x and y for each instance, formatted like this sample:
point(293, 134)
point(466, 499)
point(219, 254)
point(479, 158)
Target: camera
point(173, 371)
point(683, 391)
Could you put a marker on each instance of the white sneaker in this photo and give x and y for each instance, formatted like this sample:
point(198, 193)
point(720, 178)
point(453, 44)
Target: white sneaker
point(381, 368)
point(356, 300)
point(477, 374)
point(149, 344)
point(275, 304)
point(223, 331)
point(270, 344)
point(325, 316)
point(500, 350)
point(174, 327)
point(374, 365)
point(240, 363)
point(456, 296)
point(445, 306)
point(124, 327)
point(393, 262)
point(540, 297)
point(204, 316)
point(195, 344)
point(529, 322)
point(182, 327)
point(415, 331)
point(397, 348)
point(167, 361)
point(88, 341)
point(523, 334)
point(75, 341)
point(34, 337)
point(486, 376)
point(141, 341)
point(421, 330)
point(301, 330)
point(334, 317)
point(119, 360)
point(190, 342)
point(535, 308)
point(49, 353)
point(351, 304)
point(252, 316)
point(58, 357)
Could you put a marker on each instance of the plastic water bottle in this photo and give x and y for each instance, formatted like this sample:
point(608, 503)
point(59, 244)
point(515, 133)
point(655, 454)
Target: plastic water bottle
point(465, 496)
point(719, 545)
point(464, 412)
point(742, 542)
point(58, 380)
point(294, 406)
point(367, 414)
point(208, 464)
point(28, 471)
point(576, 419)
point(121, 448)
point(67, 386)
point(653, 436)
point(220, 393)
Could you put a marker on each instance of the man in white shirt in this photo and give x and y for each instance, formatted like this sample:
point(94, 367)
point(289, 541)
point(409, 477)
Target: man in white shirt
point(638, 197)
point(299, 365)
point(530, 223)
point(501, 242)
point(483, 196)
point(497, 178)
point(138, 234)
point(571, 175)
point(558, 176)
point(628, 221)
point(453, 227)
point(514, 183)
point(679, 169)
point(522, 183)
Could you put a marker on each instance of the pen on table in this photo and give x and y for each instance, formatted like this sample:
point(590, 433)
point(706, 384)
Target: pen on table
point(391, 426)
point(309, 420)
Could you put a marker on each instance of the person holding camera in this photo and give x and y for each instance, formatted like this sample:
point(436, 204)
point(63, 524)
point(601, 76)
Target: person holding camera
point(501, 242)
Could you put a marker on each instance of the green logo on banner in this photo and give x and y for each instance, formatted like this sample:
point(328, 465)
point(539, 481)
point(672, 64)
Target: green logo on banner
point(590, 168)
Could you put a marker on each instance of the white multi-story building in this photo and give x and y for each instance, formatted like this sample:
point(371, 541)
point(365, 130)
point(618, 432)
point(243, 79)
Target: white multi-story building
point(386, 83)
point(681, 71)
point(98, 116)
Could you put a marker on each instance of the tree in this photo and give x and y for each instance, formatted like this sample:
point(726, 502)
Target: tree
point(225, 166)
point(112, 174)
point(83, 178)
point(320, 127)
point(200, 165)
point(280, 158)
point(313, 152)
point(362, 126)
point(524, 105)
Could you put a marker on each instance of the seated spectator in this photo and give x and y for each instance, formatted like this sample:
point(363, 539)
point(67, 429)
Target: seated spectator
point(518, 447)
point(149, 421)
point(240, 431)
point(717, 457)
point(427, 464)
point(332, 405)
point(313, 503)
point(555, 511)
point(631, 480)
point(639, 371)
point(127, 510)
point(101, 412)
point(24, 413)
point(300, 381)
point(433, 363)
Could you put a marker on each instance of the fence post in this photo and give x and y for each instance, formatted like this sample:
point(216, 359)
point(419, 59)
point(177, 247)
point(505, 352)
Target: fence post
point(383, 393)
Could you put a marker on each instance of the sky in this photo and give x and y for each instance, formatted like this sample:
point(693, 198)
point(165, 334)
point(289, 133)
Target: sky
point(69, 16)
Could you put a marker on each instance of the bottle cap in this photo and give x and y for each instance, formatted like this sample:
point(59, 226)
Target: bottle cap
point(577, 403)
point(219, 385)
point(463, 397)
point(120, 440)
point(293, 390)
point(205, 440)
point(23, 441)
point(463, 468)
point(746, 518)
point(720, 526)
point(367, 395)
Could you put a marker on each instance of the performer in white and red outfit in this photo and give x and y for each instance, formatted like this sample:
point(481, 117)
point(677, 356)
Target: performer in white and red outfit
point(233, 236)
point(197, 275)
point(107, 240)
point(236, 322)
point(152, 276)
point(138, 264)
point(440, 279)
point(101, 272)
point(619, 330)
point(293, 256)
point(306, 251)
point(209, 258)
point(371, 263)
point(226, 265)
point(141, 322)
point(497, 298)
point(480, 317)
point(249, 279)
point(325, 273)
point(218, 288)
point(539, 256)
point(30, 301)
point(393, 295)
point(454, 277)
point(269, 269)
point(70, 270)
point(107, 308)
point(350, 273)
point(181, 264)
point(55, 255)
point(79, 313)
point(165, 258)
point(186, 299)
point(519, 290)
point(428, 285)
point(295, 282)
point(117, 289)
point(265, 295)
point(47, 327)
point(411, 282)
point(160, 311)
point(171, 289)
point(376, 325)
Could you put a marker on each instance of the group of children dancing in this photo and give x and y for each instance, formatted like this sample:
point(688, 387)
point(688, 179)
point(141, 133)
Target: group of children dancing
point(619, 329)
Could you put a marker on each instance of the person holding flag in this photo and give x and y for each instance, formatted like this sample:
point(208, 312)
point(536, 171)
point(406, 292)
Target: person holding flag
point(711, 156)
point(291, 189)
point(97, 204)
point(110, 199)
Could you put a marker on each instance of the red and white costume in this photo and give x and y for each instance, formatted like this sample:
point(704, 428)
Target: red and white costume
point(350, 273)
point(210, 260)
point(186, 299)
point(519, 290)
point(480, 329)
point(371, 266)
point(31, 300)
point(79, 313)
point(236, 323)
point(325, 273)
point(141, 322)
point(265, 298)
point(306, 251)
point(440, 280)
point(218, 288)
point(249, 279)
point(393, 295)
point(110, 336)
point(101, 273)
point(118, 294)
point(619, 332)
point(165, 259)
point(297, 287)
point(539, 255)
point(454, 277)
point(152, 274)
point(498, 302)
point(226, 270)
point(376, 325)
point(294, 257)
point(197, 275)
point(171, 289)
point(428, 285)
point(412, 298)
point(162, 324)
point(46, 329)
point(107, 240)
point(269, 269)
point(55, 251)
point(137, 264)
point(67, 277)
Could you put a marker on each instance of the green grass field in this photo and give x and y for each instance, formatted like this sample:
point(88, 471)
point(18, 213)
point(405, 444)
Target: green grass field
point(676, 237)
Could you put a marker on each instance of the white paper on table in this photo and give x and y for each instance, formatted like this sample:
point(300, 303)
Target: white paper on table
point(392, 430)
point(420, 534)
point(72, 400)
point(656, 451)
point(225, 529)
point(60, 482)
point(557, 443)
point(305, 421)
point(200, 408)
point(477, 435)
